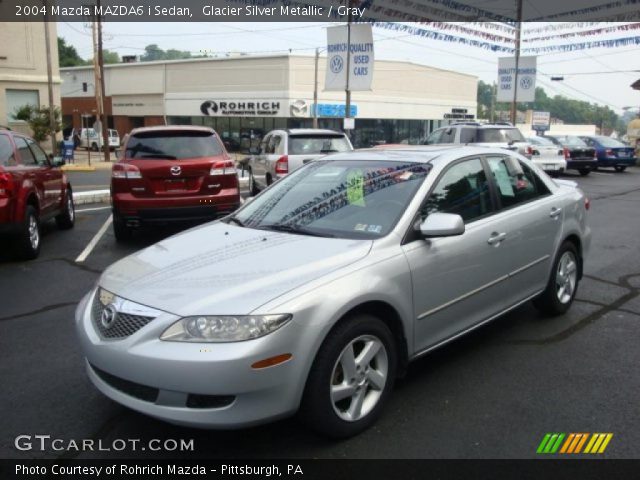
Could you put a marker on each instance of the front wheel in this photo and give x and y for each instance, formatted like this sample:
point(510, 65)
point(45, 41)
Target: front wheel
point(584, 171)
point(351, 378)
point(563, 283)
point(620, 168)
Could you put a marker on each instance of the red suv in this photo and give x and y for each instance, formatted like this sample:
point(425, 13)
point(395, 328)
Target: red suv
point(32, 189)
point(173, 173)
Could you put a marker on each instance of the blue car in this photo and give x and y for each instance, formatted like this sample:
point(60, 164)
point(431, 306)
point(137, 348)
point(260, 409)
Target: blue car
point(611, 152)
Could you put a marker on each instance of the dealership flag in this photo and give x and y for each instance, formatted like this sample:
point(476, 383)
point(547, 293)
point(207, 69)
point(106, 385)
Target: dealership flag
point(360, 64)
point(526, 79)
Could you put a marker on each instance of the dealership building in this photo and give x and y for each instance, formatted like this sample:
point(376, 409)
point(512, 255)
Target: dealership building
point(242, 97)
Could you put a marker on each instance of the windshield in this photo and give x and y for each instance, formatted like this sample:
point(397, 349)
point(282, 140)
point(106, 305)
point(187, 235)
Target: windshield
point(498, 135)
point(570, 141)
point(337, 198)
point(173, 145)
point(609, 142)
point(317, 145)
point(541, 141)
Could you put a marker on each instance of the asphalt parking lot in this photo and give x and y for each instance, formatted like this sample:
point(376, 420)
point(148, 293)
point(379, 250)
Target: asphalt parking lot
point(494, 394)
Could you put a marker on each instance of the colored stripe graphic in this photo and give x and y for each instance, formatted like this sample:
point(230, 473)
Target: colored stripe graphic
point(555, 443)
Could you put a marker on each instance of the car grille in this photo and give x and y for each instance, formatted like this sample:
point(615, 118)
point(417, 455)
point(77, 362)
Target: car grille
point(124, 324)
point(136, 390)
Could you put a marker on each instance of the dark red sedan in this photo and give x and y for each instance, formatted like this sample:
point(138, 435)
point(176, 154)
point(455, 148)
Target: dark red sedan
point(172, 174)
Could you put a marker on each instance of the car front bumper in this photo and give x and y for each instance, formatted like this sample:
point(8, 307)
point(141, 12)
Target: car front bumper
point(205, 385)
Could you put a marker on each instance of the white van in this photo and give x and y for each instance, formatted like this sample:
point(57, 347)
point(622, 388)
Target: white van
point(89, 138)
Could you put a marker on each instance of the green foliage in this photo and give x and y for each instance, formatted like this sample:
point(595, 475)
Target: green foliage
point(110, 57)
point(153, 52)
point(38, 120)
point(68, 55)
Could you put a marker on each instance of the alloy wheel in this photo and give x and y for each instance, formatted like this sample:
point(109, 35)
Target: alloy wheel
point(34, 234)
point(566, 277)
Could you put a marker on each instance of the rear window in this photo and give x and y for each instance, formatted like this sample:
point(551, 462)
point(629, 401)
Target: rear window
point(541, 141)
point(6, 152)
point(499, 135)
point(570, 141)
point(317, 144)
point(609, 142)
point(174, 145)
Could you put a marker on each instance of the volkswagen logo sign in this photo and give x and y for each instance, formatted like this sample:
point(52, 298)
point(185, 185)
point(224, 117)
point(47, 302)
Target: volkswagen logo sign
point(525, 83)
point(176, 170)
point(336, 64)
point(109, 315)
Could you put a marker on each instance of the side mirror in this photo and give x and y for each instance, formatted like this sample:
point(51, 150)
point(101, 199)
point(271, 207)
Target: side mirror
point(56, 161)
point(442, 225)
point(254, 151)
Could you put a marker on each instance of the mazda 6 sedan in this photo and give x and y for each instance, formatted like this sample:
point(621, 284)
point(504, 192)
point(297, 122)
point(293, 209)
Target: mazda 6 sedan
point(314, 297)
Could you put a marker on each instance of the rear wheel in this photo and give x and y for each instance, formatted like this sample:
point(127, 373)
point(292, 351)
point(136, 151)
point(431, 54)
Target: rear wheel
point(584, 171)
point(563, 283)
point(620, 168)
point(121, 231)
point(94, 147)
point(67, 218)
point(351, 378)
point(253, 189)
point(29, 237)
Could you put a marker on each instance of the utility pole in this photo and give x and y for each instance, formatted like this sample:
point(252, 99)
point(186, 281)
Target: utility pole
point(96, 79)
point(315, 90)
point(347, 107)
point(515, 85)
point(105, 136)
point(52, 116)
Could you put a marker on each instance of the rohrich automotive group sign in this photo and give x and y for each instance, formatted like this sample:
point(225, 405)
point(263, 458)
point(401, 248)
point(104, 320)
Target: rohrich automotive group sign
point(360, 64)
point(526, 91)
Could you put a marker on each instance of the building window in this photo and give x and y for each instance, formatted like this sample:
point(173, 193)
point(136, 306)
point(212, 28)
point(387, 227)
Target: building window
point(20, 98)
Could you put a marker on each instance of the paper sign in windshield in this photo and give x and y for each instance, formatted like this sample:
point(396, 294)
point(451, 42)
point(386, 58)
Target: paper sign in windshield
point(355, 188)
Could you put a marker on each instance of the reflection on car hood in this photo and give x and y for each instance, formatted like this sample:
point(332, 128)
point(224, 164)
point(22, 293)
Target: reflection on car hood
point(226, 269)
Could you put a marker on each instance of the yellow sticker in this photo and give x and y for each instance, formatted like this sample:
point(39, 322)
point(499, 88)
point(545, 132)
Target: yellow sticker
point(355, 188)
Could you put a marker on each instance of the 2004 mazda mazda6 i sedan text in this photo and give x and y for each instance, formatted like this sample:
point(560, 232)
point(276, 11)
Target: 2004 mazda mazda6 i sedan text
point(315, 295)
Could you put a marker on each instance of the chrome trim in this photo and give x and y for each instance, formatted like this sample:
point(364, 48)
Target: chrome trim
point(483, 287)
point(529, 265)
point(123, 305)
point(462, 297)
point(473, 327)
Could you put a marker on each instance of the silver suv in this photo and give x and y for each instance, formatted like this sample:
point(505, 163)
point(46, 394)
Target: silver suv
point(283, 151)
point(500, 135)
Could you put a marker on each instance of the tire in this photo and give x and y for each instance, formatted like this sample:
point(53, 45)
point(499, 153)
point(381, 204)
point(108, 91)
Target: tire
point(561, 288)
point(584, 172)
point(620, 168)
point(365, 393)
point(253, 189)
point(121, 231)
point(67, 218)
point(29, 237)
point(94, 147)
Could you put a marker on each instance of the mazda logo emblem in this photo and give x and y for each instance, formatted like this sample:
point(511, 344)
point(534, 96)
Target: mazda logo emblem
point(109, 315)
point(175, 170)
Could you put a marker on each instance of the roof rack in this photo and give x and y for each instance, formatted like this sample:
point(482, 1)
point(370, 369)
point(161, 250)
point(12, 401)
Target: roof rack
point(4, 127)
point(506, 124)
point(466, 123)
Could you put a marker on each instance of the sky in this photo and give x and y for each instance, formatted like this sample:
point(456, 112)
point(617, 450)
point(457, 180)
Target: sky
point(597, 75)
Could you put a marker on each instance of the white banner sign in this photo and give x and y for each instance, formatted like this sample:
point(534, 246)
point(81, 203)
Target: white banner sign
point(540, 119)
point(360, 63)
point(507, 79)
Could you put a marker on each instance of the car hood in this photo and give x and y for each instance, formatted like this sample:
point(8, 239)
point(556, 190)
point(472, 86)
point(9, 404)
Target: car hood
point(223, 269)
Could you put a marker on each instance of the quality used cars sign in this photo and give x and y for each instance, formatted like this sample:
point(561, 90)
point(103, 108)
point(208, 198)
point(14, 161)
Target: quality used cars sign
point(360, 64)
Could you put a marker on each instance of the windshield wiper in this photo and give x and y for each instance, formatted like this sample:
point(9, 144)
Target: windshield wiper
point(280, 227)
point(328, 150)
point(236, 221)
point(163, 156)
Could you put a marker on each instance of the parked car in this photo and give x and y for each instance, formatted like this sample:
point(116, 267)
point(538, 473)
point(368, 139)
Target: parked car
point(33, 189)
point(579, 155)
point(611, 152)
point(501, 135)
point(90, 139)
point(172, 174)
point(315, 295)
point(547, 155)
point(283, 151)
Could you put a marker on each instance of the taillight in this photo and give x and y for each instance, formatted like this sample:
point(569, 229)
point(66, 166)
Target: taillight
point(282, 165)
point(125, 170)
point(530, 150)
point(6, 185)
point(609, 153)
point(587, 203)
point(566, 152)
point(223, 168)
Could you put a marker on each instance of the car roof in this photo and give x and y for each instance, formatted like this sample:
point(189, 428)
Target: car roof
point(417, 153)
point(312, 131)
point(169, 128)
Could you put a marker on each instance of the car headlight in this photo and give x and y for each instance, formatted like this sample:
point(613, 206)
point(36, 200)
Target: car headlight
point(227, 328)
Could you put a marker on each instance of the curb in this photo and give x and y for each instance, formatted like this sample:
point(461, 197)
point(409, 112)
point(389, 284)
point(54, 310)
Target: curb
point(78, 168)
point(92, 196)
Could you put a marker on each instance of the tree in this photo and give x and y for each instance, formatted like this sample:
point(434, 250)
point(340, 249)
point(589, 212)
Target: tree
point(108, 57)
point(153, 53)
point(38, 120)
point(68, 55)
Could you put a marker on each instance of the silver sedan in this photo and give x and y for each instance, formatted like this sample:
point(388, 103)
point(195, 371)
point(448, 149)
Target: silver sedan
point(314, 296)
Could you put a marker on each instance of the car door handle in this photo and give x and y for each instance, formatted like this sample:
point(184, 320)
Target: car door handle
point(496, 238)
point(555, 211)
